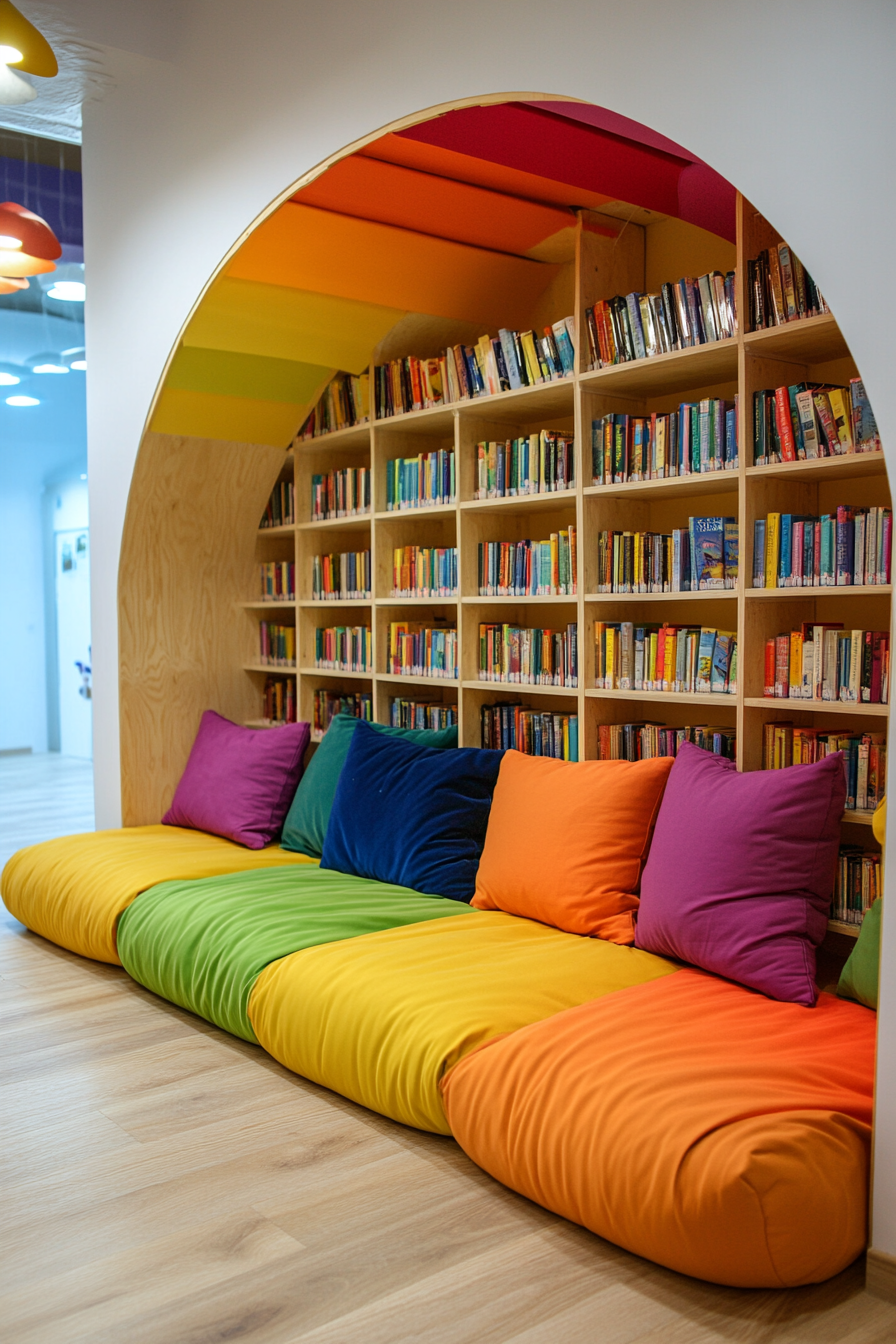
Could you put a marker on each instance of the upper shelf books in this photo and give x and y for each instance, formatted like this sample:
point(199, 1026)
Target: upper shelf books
point(501, 363)
point(780, 289)
point(810, 420)
point(687, 313)
point(344, 403)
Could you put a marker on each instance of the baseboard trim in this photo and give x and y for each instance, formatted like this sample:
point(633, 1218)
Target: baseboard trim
point(15, 751)
point(880, 1275)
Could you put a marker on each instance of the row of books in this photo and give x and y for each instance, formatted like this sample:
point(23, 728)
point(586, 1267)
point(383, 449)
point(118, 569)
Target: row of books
point(341, 493)
point(685, 313)
point(329, 703)
point(644, 741)
point(281, 507)
point(511, 727)
point(700, 436)
point(278, 581)
point(857, 883)
point(276, 644)
point(701, 557)
point(424, 571)
point(664, 658)
point(279, 705)
point(406, 713)
point(844, 547)
point(804, 421)
point(343, 576)
point(422, 481)
point(864, 757)
point(536, 464)
point(345, 402)
point(503, 363)
point(529, 656)
point(825, 662)
point(780, 289)
point(422, 651)
point(344, 648)
point(529, 568)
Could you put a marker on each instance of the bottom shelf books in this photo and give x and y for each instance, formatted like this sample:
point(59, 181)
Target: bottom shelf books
point(644, 741)
point(664, 657)
point(422, 651)
point(825, 662)
point(857, 884)
point(329, 703)
point(864, 757)
point(280, 700)
point(531, 657)
point(344, 648)
point(422, 714)
point(530, 731)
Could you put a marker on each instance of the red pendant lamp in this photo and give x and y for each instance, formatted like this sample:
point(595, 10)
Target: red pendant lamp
point(28, 246)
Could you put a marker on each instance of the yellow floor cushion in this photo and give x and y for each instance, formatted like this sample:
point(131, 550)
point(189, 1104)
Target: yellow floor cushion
point(73, 890)
point(380, 1018)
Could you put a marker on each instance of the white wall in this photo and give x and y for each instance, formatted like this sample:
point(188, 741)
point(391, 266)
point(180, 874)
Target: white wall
point(23, 691)
point(788, 99)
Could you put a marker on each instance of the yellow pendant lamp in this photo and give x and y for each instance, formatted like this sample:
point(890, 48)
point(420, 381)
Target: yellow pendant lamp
point(28, 246)
point(22, 46)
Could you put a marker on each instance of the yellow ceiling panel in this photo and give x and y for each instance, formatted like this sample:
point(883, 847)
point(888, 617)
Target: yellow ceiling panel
point(226, 373)
point(315, 250)
point(235, 419)
point(268, 319)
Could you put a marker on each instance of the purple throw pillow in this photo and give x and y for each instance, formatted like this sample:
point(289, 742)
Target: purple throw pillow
point(239, 782)
point(741, 870)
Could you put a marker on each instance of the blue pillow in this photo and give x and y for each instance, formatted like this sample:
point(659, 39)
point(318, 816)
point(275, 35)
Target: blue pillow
point(412, 815)
point(305, 828)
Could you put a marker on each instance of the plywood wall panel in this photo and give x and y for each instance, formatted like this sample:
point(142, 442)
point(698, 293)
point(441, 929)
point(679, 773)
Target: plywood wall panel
point(187, 558)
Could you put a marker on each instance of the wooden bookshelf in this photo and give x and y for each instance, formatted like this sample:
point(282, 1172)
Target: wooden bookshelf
point(811, 349)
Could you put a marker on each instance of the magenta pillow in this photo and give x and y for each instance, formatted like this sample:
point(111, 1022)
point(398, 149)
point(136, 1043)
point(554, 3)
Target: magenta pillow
point(239, 782)
point(740, 873)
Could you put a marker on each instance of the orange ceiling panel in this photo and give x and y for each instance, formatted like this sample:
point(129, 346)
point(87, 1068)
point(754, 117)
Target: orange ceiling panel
point(409, 199)
point(494, 176)
point(306, 248)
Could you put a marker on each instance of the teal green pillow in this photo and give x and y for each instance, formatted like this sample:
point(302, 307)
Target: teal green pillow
point(306, 823)
point(859, 977)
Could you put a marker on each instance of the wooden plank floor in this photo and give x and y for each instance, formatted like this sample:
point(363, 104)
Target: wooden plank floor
point(42, 796)
point(164, 1183)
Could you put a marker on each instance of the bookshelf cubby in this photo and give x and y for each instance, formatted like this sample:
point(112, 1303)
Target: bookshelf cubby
point(606, 262)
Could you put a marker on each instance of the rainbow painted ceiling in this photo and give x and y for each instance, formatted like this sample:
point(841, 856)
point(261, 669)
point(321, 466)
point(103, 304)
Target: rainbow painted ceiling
point(459, 224)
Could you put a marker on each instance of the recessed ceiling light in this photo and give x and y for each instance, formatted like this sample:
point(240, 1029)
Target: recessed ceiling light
point(79, 364)
point(83, 475)
point(22, 401)
point(9, 380)
point(50, 368)
point(69, 291)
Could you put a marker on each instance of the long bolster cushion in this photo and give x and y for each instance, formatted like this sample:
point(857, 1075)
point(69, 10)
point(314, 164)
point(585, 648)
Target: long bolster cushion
point(380, 1018)
point(74, 889)
point(694, 1122)
point(203, 944)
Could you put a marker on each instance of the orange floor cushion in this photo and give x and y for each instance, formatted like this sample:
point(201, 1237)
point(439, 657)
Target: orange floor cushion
point(691, 1121)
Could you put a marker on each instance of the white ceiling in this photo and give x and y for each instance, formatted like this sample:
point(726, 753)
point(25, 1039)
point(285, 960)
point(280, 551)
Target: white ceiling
point(80, 32)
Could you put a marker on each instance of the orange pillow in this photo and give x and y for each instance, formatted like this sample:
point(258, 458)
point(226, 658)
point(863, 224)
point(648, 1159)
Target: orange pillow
point(566, 842)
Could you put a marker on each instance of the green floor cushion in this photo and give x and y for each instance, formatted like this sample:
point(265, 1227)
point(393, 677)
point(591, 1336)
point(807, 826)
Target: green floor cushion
point(203, 944)
point(859, 977)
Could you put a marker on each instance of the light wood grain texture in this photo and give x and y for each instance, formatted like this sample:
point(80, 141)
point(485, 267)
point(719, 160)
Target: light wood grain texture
point(187, 557)
point(165, 1182)
point(880, 1277)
